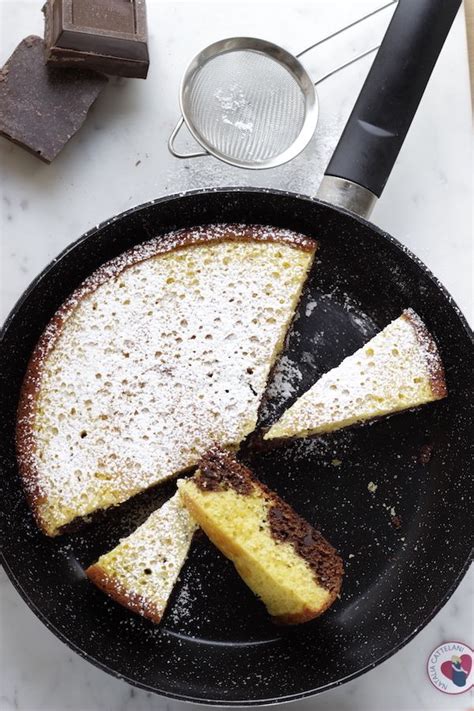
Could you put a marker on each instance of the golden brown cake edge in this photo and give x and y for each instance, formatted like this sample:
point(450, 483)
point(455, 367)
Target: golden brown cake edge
point(433, 359)
point(132, 601)
point(172, 241)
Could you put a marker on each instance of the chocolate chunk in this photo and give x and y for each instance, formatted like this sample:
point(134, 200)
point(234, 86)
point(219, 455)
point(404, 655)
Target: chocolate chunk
point(41, 107)
point(286, 526)
point(218, 471)
point(424, 456)
point(396, 521)
point(109, 36)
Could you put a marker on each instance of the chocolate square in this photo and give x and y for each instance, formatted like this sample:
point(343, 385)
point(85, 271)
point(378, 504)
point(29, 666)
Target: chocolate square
point(42, 107)
point(109, 36)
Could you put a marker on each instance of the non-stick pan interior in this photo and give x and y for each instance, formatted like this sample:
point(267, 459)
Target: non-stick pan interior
point(394, 497)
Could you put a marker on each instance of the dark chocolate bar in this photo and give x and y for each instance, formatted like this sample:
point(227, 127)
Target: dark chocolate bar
point(41, 107)
point(109, 36)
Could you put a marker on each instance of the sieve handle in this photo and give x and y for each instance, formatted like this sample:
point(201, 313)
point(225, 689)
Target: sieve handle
point(346, 27)
point(374, 134)
point(346, 64)
point(173, 150)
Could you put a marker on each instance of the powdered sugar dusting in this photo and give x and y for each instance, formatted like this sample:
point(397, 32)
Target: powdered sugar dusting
point(362, 321)
point(234, 105)
point(181, 610)
point(232, 98)
point(145, 566)
point(158, 355)
point(310, 306)
point(180, 239)
point(392, 372)
point(286, 379)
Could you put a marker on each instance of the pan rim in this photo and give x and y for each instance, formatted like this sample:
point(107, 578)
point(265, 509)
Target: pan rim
point(176, 695)
point(225, 703)
point(235, 189)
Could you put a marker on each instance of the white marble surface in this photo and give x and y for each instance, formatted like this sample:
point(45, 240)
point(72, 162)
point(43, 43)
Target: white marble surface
point(120, 159)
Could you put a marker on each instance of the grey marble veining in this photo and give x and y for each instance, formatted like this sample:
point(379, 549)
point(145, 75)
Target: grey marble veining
point(120, 159)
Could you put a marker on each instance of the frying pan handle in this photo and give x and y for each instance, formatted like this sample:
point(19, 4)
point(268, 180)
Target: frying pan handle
point(370, 143)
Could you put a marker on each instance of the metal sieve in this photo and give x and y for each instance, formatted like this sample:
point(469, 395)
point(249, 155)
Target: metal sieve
point(251, 103)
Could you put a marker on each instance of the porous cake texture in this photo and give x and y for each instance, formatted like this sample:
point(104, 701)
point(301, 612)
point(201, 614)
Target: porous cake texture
point(141, 571)
point(399, 368)
point(282, 558)
point(160, 353)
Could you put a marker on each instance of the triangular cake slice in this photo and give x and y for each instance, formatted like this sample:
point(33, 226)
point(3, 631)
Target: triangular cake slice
point(282, 558)
point(398, 369)
point(160, 353)
point(141, 571)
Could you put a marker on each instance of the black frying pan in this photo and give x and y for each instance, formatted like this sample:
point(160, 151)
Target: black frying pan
point(216, 643)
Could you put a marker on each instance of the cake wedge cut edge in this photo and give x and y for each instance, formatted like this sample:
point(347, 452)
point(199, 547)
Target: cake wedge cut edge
point(161, 352)
point(398, 369)
point(284, 560)
point(141, 571)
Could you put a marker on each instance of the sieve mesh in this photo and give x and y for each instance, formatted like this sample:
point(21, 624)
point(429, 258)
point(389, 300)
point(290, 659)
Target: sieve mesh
point(246, 105)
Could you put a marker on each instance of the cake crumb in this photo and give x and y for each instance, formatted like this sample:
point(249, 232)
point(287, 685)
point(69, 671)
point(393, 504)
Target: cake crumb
point(336, 462)
point(424, 456)
point(372, 487)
